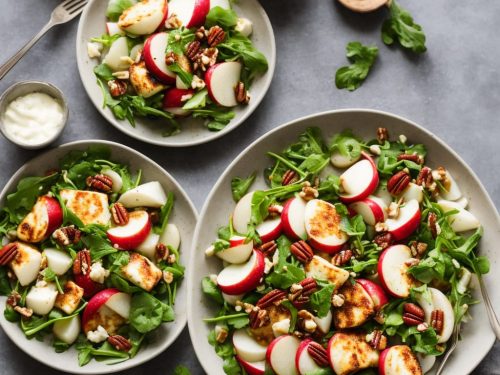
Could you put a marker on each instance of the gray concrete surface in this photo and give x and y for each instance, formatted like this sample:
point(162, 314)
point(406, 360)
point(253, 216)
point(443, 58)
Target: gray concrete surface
point(452, 90)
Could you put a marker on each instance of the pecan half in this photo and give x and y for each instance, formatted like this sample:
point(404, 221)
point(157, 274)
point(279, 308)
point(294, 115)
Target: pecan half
point(206, 58)
point(241, 93)
point(120, 343)
point(268, 248)
point(413, 315)
point(100, 182)
point(302, 251)
point(161, 251)
point(215, 35)
point(433, 224)
point(416, 158)
point(309, 286)
point(383, 240)
point(170, 58)
point(437, 320)
point(154, 216)
point(378, 340)
point(24, 311)
point(342, 257)
point(82, 262)
point(398, 183)
point(424, 177)
point(66, 236)
point(308, 192)
point(301, 301)
point(382, 135)
point(318, 354)
point(289, 177)
point(117, 87)
point(192, 50)
point(13, 298)
point(418, 248)
point(274, 297)
point(119, 214)
point(201, 33)
point(258, 318)
point(8, 253)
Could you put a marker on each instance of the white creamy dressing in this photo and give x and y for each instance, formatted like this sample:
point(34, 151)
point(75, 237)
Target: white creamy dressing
point(33, 118)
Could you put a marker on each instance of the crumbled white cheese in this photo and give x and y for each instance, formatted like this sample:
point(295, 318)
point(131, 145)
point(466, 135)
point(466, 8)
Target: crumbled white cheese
point(210, 251)
point(98, 273)
point(402, 138)
point(99, 335)
point(310, 325)
point(94, 50)
point(122, 74)
point(464, 280)
point(244, 26)
point(281, 328)
point(267, 265)
point(455, 263)
point(197, 83)
point(375, 149)
point(185, 98)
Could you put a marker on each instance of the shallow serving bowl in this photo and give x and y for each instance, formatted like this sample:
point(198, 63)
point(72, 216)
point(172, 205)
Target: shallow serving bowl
point(92, 24)
point(477, 337)
point(183, 215)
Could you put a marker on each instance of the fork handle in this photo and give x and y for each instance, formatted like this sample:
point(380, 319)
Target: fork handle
point(9, 64)
point(495, 325)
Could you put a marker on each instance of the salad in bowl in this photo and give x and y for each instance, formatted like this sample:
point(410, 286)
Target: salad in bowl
point(357, 256)
point(89, 259)
point(176, 59)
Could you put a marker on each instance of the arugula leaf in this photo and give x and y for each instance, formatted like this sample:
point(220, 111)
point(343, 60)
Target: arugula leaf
point(5, 286)
point(106, 40)
point(240, 186)
point(99, 247)
point(401, 27)
point(147, 312)
point(362, 58)
point(181, 370)
point(165, 211)
point(50, 276)
point(36, 324)
point(217, 117)
point(225, 18)
point(210, 289)
point(116, 281)
point(293, 314)
point(321, 300)
point(104, 72)
point(226, 352)
point(178, 39)
point(199, 100)
point(347, 144)
point(185, 76)
point(283, 278)
point(116, 7)
point(86, 351)
point(60, 346)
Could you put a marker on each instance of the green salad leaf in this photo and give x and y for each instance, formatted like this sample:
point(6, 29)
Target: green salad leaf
point(240, 186)
point(116, 7)
point(362, 58)
point(225, 18)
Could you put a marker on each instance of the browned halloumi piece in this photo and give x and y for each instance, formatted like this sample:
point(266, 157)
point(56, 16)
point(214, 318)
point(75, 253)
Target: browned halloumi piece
point(35, 225)
point(142, 81)
point(69, 301)
point(349, 353)
point(141, 272)
point(321, 269)
point(358, 307)
point(106, 318)
point(264, 335)
point(401, 360)
point(91, 207)
point(26, 264)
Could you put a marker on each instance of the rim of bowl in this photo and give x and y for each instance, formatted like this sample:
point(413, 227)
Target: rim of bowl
point(39, 86)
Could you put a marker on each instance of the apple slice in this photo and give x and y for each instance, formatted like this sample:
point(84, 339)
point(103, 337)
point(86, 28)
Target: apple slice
point(132, 234)
point(463, 220)
point(113, 58)
point(426, 362)
point(324, 323)
point(232, 298)
point(191, 13)
point(154, 57)
point(359, 181)
point(120, 303)
point(45, 216)
point(323, 226)
point(439, 301)
point(450, 190)
point(171, 236)
point(97, 313)
point(383, 194)
point(241, 278)
point(238, 251)
point(41, 299)
point(252, 368)
point(144, 17)
point(349, 353)
point(392, 271)
point(372, 209)
point(175, 98)
point(321, 269)
point(242, 213)
point(293, 218)
point(247, 348)
point(136, 51)
point(26, 264)
point(148, 246)
point(341, 161)
point(279, 354)
point(221, 79)
point(399, 360)
point(150, 194)
point(412, 191)
point(358, 307)
point(269, 229)
point(67, 330)
point(304, 363)
point(57, 260)
point(407, 221)
point(378, 295)
point(112, 28)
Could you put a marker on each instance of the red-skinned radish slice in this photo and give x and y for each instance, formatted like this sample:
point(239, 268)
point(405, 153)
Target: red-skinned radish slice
point(252, 368)
point(269, 229)
point(372, 209)
point(280, 353)
point(241, 278)
point(375, 291)
point(407, 221)
point(293, 218)
point(304, 363)
point(132, 234)
point(392, 271)
point(247, 348)
point(154, 57)
point(191, 13)
point(399, 360)
point(221, 79)
point(439, 301)
point(359, 181)
point(242, 213)
point(463, 220)
point(238, 251)
point(175, 98)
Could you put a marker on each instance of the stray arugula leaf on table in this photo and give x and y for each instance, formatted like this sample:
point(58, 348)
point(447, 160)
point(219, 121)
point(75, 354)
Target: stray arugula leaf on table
point(401, 27)
point(362, 58)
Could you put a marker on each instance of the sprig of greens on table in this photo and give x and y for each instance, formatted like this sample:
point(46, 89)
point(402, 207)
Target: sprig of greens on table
point(148, 310)
point(399, 27)
point(309, 158)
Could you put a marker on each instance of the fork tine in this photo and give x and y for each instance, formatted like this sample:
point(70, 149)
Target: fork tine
point(76, 7)
point(67, 3)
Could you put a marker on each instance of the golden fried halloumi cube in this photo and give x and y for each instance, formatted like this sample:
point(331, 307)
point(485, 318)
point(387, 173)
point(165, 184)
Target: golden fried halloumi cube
point(321, 269)
point(26, 264)
point(91, 207)
point(349, 353)
point(142, 81)
point(358, 307)
point(69, 301)
point(141, 272)
point(400, 360)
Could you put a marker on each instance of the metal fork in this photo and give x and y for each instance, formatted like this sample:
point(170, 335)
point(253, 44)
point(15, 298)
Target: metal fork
point(63, 13)
point(451, 347)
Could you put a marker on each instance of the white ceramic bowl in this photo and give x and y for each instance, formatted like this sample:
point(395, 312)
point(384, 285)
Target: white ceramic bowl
point(183, 215)
point(92, 24)
point(477, 337)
